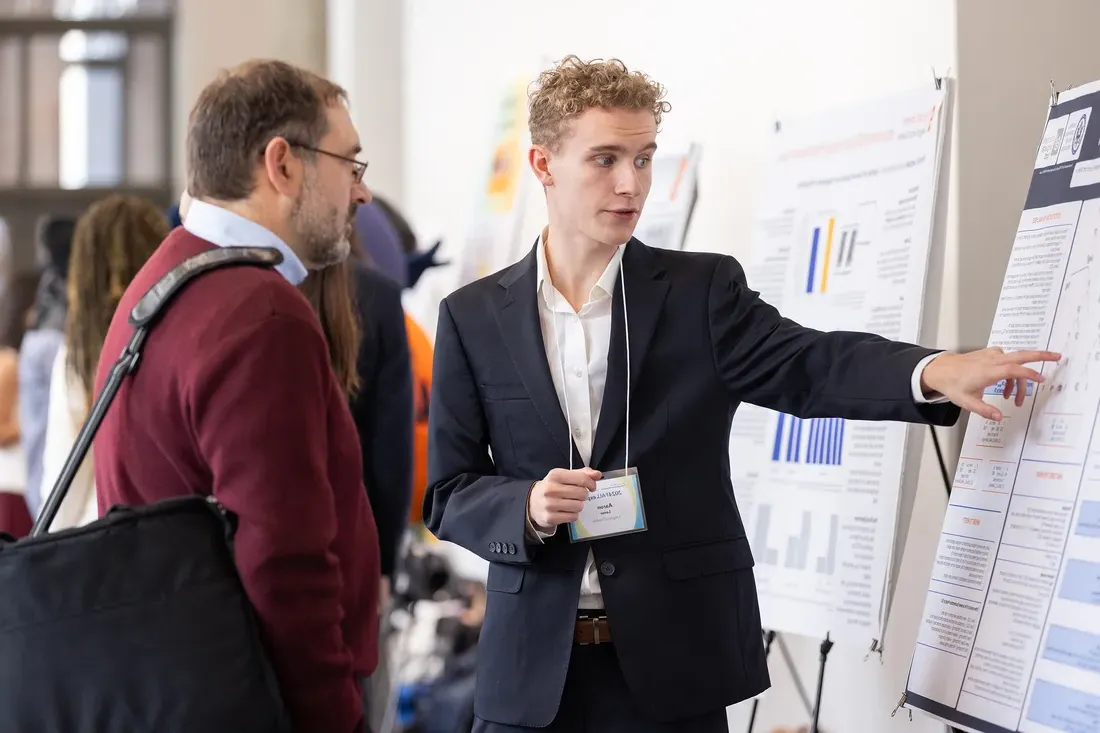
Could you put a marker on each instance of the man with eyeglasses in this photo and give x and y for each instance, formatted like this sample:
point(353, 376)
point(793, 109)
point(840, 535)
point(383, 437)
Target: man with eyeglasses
point(236, 396)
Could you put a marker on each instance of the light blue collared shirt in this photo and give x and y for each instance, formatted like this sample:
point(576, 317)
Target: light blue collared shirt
point(226, 229)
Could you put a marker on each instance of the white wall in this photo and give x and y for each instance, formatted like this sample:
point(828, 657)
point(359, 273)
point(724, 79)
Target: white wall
point(364, 56)
point(730, 73)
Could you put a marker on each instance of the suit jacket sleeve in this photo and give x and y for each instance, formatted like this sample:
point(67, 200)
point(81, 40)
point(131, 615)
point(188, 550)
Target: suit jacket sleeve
point(383, 413)
point(466, 502)
point(771, 361)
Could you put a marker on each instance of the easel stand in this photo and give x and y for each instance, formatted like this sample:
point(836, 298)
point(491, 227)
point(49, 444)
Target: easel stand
point(769, 637)
point(947, 485)
point(826, 646)
point(774, 636)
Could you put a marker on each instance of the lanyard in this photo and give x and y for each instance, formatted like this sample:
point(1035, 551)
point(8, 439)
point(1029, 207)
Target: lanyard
point(561, 367)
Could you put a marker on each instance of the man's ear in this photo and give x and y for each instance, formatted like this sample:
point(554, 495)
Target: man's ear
point(282, 167)
point(539, 159)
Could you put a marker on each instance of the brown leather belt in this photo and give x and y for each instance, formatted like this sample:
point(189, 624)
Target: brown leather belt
point(592, 630)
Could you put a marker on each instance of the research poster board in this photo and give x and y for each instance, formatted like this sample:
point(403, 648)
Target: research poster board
point(671, 202)
point(1009, 638)
point(499, 209)
point(842, 241)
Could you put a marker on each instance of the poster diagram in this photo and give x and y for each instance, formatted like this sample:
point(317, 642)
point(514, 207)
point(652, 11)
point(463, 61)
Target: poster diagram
point(842, 243)
point(672, 196)
point(500, 207)
point(1009, 640)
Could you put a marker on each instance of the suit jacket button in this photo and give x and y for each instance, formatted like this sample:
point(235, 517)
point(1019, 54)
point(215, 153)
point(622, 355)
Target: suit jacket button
point(607, 568)
point(511, 549)
point(499, 547)
point(492, 547)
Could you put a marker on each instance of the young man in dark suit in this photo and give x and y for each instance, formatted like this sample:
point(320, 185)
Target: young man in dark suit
point(545, 383)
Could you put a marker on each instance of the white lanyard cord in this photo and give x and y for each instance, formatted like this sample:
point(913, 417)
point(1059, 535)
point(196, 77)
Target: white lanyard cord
point(561, 368)
point(626, 334)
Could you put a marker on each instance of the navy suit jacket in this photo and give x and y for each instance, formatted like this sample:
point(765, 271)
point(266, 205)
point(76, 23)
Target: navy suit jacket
point(680, 597)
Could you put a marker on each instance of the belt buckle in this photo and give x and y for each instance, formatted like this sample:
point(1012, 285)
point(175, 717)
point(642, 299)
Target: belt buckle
point(595, 621)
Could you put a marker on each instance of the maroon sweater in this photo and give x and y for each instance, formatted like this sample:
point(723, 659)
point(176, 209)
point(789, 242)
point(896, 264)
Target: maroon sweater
point(235, 396)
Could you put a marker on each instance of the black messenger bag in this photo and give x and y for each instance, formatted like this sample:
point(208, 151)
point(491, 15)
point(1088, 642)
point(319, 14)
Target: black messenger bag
point(137, 622)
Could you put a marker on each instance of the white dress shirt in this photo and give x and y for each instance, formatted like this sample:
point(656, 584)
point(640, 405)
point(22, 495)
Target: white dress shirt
point(228, 229)
point(577, 343)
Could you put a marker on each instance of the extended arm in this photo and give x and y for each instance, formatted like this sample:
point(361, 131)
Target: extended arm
point(466, 502)
point(771, 361)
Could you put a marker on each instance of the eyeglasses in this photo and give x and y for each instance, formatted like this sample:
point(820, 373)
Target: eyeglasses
point(359, 167)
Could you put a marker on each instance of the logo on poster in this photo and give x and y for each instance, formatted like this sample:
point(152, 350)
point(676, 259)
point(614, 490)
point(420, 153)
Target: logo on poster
point(1079, 134)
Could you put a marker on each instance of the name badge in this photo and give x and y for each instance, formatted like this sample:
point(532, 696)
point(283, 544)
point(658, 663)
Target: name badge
point(614, 508)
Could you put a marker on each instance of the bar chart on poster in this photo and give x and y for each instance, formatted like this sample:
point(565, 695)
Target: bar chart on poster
point(1009, 639)
point(842, 242)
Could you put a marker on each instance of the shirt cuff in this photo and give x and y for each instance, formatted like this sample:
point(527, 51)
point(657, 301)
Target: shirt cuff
point(536, 534)
point(919, 397)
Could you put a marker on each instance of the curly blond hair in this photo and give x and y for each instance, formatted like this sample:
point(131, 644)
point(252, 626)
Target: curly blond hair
point(573, 86)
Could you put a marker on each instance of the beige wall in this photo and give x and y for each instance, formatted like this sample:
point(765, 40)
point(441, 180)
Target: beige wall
point(214, 34)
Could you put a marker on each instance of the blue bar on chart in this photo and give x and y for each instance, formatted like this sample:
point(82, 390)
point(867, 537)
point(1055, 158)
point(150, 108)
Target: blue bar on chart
point(824, 444)
point(813, 260)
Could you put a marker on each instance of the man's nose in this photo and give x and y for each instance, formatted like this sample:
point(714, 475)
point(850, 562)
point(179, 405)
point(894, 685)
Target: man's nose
point(361, 194)
point(628, 183)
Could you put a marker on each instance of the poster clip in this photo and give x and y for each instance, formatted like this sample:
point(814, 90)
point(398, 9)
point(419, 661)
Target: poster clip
point(1053, 94)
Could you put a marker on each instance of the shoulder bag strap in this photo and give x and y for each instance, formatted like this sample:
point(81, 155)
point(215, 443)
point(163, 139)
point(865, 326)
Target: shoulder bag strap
point(143, 316)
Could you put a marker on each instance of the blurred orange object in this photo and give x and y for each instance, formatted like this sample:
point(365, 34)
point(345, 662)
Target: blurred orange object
point(420, 353)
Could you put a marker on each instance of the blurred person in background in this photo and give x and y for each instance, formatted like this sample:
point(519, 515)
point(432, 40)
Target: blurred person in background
point(237, 398)
point(112, 242)
point(383, 405)
point(15, 519)
point(381, 244)
point(38, 351)
point(420, 352)
point(417, 262)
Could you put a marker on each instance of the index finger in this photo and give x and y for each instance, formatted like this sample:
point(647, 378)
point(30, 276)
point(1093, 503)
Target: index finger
point(577, 477)
point(1023, 357)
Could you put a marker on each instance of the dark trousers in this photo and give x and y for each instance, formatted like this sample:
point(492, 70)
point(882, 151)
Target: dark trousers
point(596, 700)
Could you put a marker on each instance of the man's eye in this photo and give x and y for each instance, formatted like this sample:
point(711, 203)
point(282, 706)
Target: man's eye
point(642, 162)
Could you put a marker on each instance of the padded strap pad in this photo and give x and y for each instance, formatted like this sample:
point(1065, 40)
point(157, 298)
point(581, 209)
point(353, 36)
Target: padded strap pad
point(152, 303)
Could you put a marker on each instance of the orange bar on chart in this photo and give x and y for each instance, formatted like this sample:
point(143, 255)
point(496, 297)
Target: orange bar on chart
point(828, 251)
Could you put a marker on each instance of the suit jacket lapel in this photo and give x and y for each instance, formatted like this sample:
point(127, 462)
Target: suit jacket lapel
point(645, 297)
point(518, 318)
